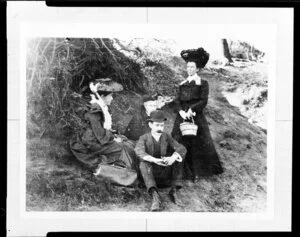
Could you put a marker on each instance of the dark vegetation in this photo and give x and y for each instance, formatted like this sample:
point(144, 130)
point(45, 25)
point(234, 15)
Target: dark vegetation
point(58, 73)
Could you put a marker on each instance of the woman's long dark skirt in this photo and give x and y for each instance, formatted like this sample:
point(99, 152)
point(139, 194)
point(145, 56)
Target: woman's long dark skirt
point(202, 158)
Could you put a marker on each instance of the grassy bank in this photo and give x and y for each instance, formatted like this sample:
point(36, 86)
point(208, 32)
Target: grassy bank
point(57, 182)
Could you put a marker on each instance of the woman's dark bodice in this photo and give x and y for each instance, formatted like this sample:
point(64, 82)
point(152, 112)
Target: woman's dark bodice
point(189, 94)
point(189, 91)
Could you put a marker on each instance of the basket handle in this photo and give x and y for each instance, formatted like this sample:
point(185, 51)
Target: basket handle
point(192, 120)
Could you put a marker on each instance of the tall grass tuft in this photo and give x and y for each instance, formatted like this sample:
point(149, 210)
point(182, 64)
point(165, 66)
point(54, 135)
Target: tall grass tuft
point(58, 73)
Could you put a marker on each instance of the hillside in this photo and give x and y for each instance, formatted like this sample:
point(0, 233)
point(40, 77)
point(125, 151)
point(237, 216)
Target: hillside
point(57, 182)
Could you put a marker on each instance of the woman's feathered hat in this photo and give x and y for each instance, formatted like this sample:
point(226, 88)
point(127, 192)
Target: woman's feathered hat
point(199, 56)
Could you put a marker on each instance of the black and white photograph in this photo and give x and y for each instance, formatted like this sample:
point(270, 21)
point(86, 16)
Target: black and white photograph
point(122, 119)
point(146, 125)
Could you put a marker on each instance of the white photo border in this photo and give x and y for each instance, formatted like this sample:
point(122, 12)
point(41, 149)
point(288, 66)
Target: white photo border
point(271, 30)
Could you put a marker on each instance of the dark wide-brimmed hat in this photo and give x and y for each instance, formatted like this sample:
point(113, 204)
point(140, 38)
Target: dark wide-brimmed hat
point(107, 85)
point(199, 56)
point(157, 116)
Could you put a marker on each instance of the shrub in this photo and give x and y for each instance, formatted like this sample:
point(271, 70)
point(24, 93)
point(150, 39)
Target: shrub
point(59, 71)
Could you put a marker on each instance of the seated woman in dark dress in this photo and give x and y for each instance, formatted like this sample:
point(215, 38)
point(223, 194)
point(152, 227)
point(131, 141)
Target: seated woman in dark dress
point(97, 143)
point(202, 158)
point(138, 124)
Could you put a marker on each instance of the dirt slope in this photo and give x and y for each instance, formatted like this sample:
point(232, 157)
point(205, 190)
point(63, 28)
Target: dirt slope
point(56, 182)
point(247, 88)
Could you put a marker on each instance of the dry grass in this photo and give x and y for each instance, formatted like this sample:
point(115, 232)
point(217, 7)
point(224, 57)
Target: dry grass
point(57, 182)
point(58, 74)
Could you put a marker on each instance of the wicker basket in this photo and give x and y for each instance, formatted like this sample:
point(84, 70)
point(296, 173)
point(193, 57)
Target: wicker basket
point(189, 128)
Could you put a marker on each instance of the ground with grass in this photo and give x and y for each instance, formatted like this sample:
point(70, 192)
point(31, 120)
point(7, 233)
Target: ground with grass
point(57, 182)
point(247, 89)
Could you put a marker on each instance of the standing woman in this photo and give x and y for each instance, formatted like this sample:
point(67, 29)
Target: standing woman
point(202, 158)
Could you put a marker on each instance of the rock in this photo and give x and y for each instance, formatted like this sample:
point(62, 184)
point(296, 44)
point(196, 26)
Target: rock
point(231, 88)
point(225, 145)
point(230, 134)
point(246, 101)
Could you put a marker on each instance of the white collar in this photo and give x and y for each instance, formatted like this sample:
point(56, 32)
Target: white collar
point(147, 112)
point(156, 137)
point(195, 78)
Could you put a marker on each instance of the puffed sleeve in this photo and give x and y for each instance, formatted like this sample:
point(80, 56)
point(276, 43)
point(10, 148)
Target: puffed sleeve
point(175, 104)
point(102, 135)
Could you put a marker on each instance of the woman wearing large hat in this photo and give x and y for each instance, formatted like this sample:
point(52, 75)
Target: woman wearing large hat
point(138, 124)
point(98, 144)
point(202, 158)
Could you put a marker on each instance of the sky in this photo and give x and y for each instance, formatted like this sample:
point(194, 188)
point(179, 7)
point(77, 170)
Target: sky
point(258, 35)
point(208, 36)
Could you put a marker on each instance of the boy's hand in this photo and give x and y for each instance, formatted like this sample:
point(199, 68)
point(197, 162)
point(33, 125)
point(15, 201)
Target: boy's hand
point(118, 139)
point(169, 160)
point(160, 162)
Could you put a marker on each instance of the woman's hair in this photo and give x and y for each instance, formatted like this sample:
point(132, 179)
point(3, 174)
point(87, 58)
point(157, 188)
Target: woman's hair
point(198, 56)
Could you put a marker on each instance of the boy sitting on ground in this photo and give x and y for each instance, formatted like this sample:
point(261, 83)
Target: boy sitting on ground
point(155, 165)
